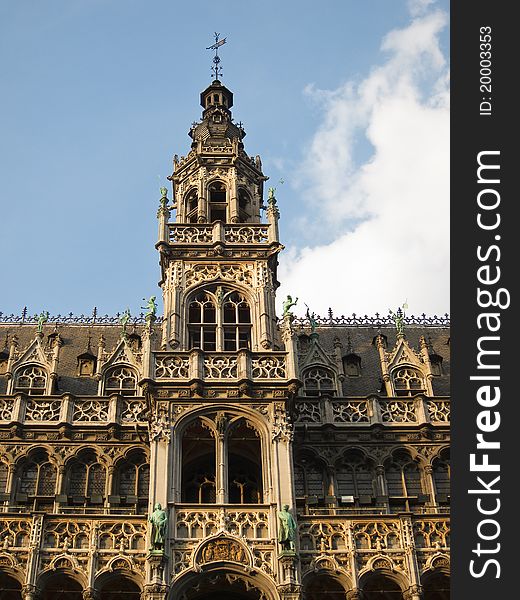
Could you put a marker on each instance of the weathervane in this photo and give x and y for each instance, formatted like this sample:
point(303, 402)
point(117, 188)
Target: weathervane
point(216, 69)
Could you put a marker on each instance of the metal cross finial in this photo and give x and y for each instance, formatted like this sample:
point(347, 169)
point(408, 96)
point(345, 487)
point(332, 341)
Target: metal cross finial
point(216, 69)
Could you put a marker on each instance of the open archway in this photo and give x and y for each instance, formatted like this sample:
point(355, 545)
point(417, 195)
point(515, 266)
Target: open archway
point(379, 586)
point(118, 587)
point(10, 588)
point(436, 586)
point(61, 586)
point(322, 586)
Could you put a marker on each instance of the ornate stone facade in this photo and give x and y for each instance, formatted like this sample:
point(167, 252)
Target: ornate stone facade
point(217, 415)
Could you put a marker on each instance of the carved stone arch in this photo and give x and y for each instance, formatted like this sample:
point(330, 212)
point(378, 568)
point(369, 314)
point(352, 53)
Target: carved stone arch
point(78, 450)
point(68, 569)
point(259, 420)
point(435, 579)
point(440, 452)
point(10, 566)
point(235, 580)
point(383, 565)
point(117, 568)
point(325, 568)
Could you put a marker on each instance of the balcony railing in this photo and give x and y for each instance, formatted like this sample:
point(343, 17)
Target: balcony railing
point(85, 410)
point(218, 232)
point(220, 366)
point(368, 411)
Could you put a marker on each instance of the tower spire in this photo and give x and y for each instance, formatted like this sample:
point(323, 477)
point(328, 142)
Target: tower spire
point(216, 69)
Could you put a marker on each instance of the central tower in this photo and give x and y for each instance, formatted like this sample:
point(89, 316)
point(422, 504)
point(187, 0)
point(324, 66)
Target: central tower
point(222, 379)
point(219, 260)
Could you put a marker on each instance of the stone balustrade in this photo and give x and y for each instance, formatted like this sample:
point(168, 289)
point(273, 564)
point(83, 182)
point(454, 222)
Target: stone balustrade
point(374, 409)
point(84, 410)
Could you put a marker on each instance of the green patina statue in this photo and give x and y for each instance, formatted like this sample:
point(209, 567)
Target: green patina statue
point(159, 521)
point(288, 304)
point(123, 319)
point(286, 529)
point(312, 320)
point(43, 318)
point(151, 308)
point(398, 318)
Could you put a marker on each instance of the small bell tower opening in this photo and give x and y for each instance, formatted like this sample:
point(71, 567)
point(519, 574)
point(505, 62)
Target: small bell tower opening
point(217, 202)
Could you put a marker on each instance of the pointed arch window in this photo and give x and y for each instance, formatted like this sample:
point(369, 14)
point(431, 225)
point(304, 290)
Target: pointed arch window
point(37, 482)
point(219, 319)
point(441, 478)
point(408, 381)
point(31, 379)
point(131, 483)
point(4, 475)
point(310, 478)
point(191, 205)
point(86, 480)
point(217, 202)
point(121, 380)
point(355, 476)
point(404, 481)
point(319, 381)
point(221, 467)
point(244, 206)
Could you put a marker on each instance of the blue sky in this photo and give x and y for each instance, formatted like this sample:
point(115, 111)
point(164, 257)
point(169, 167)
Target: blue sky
point(97, 97)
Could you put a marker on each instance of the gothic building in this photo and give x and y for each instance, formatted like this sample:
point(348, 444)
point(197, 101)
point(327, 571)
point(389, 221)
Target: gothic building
point(221, 450)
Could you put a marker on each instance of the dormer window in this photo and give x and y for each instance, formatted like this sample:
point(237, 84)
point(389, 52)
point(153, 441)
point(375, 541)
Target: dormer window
point(121, 380)
point(31, 380)
point(86, 365)
point(436, 364)
point(319, 381)
point(352, 365)
point(408, 382)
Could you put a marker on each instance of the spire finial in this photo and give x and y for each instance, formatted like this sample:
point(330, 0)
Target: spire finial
point(216, 69)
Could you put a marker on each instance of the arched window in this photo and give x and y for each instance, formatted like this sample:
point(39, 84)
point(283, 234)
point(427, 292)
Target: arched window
point(86, 480)
point(355, 477)
point(319, 381)
point(309, 479)
point(436, 586)
point(198, 464)
point(403, 480)
point(132, 481)
point(202, 318)
point(244, 206)
point(237, 322)
point(236, 477)
point(244, 465)
point(191, 203)
point(36, 482)
point(4, 474)
point(219, 319)
point(32, 380)
point(217, 202)
point(408, 382)
point(86, 364)
point(441, 478)
point(121, 380)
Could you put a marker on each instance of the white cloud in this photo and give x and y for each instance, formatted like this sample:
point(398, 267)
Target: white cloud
point(386, 218)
